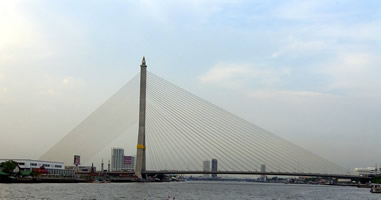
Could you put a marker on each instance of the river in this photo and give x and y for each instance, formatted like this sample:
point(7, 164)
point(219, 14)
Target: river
point(182, 190)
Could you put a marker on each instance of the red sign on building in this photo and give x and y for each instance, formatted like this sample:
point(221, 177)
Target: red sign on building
point(77, 160)
point(127, 159)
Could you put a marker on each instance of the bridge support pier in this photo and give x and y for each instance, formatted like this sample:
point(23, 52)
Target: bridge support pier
point(141, 147)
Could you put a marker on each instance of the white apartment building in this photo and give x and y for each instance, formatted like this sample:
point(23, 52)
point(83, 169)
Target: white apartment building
point(206, 167)
point(365, 171)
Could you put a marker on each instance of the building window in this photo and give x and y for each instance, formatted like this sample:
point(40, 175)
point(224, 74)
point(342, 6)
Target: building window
point(46, 165)
point(33, 164)
point(58, 166)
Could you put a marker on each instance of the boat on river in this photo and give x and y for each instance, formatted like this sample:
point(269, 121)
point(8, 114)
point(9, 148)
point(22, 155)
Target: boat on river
point(376, 188)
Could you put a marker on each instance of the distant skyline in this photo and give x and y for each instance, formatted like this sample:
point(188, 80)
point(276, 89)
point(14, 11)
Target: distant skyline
point(308, 71)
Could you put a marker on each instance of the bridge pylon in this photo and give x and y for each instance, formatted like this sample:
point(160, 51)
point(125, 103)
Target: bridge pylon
point(141, 147)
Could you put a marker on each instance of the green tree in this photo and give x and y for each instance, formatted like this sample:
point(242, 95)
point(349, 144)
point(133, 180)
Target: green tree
point(8, 166)
point(377, 180)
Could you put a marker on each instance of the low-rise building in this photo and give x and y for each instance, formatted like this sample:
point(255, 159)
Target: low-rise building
point(28, 164)
point(365, 171)
point(83, 169)
point(51, 167)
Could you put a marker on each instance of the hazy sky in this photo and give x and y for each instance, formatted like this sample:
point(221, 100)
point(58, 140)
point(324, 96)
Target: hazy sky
point(308, 71)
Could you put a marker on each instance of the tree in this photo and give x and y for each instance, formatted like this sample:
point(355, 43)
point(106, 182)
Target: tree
point(8, 166)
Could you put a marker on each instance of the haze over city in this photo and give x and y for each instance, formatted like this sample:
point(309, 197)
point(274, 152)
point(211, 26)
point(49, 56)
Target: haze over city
point(306, 71)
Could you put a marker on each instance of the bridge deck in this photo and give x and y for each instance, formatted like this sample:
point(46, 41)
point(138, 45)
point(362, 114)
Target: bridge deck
point(254, 173)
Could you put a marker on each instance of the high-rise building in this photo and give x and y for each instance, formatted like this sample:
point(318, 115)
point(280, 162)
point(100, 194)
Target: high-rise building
point(206, 167)
point(117, 159)
point(129, 163)
point(120, 162)
point(214, 167)
point(263, 170)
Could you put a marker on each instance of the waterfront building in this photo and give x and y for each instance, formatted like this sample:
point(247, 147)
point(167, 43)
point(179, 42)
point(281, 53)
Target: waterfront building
point(28, 164)
point(214, 167)
point(206, 167)
point(83, 169)
point(365, 171)
point(51, 167)
point(117, 159)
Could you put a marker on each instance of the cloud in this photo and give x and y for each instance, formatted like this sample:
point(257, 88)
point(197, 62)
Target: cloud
point(239, 75)
point(259, 82)
point(278, 93)
point(297, 10)
point(356, 72)
point(368, 30)
point(62, 87)
point(311, 11)
point(294, 45)
point(222, 72)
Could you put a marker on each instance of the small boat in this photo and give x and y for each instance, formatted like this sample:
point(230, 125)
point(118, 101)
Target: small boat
point(376, 188)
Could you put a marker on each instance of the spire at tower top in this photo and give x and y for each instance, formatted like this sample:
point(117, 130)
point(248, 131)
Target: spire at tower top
point(144, 61)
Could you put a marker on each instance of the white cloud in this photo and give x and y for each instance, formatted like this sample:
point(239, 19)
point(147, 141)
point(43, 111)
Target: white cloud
point(223, 72)
point(167, 11)
point(284, 93)
point(356, 72)
point(306, 10)
point(256, 82)
point(311, 11)
point(294, 45)
point(275, 54)
point(362, 31)
point(63, 87)
point(239, 75)
point(357, 61)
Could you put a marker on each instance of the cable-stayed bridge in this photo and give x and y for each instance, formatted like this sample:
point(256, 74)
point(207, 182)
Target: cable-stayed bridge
point(177, 131)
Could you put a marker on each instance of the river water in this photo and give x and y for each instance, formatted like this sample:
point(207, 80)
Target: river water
point(182, 190)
